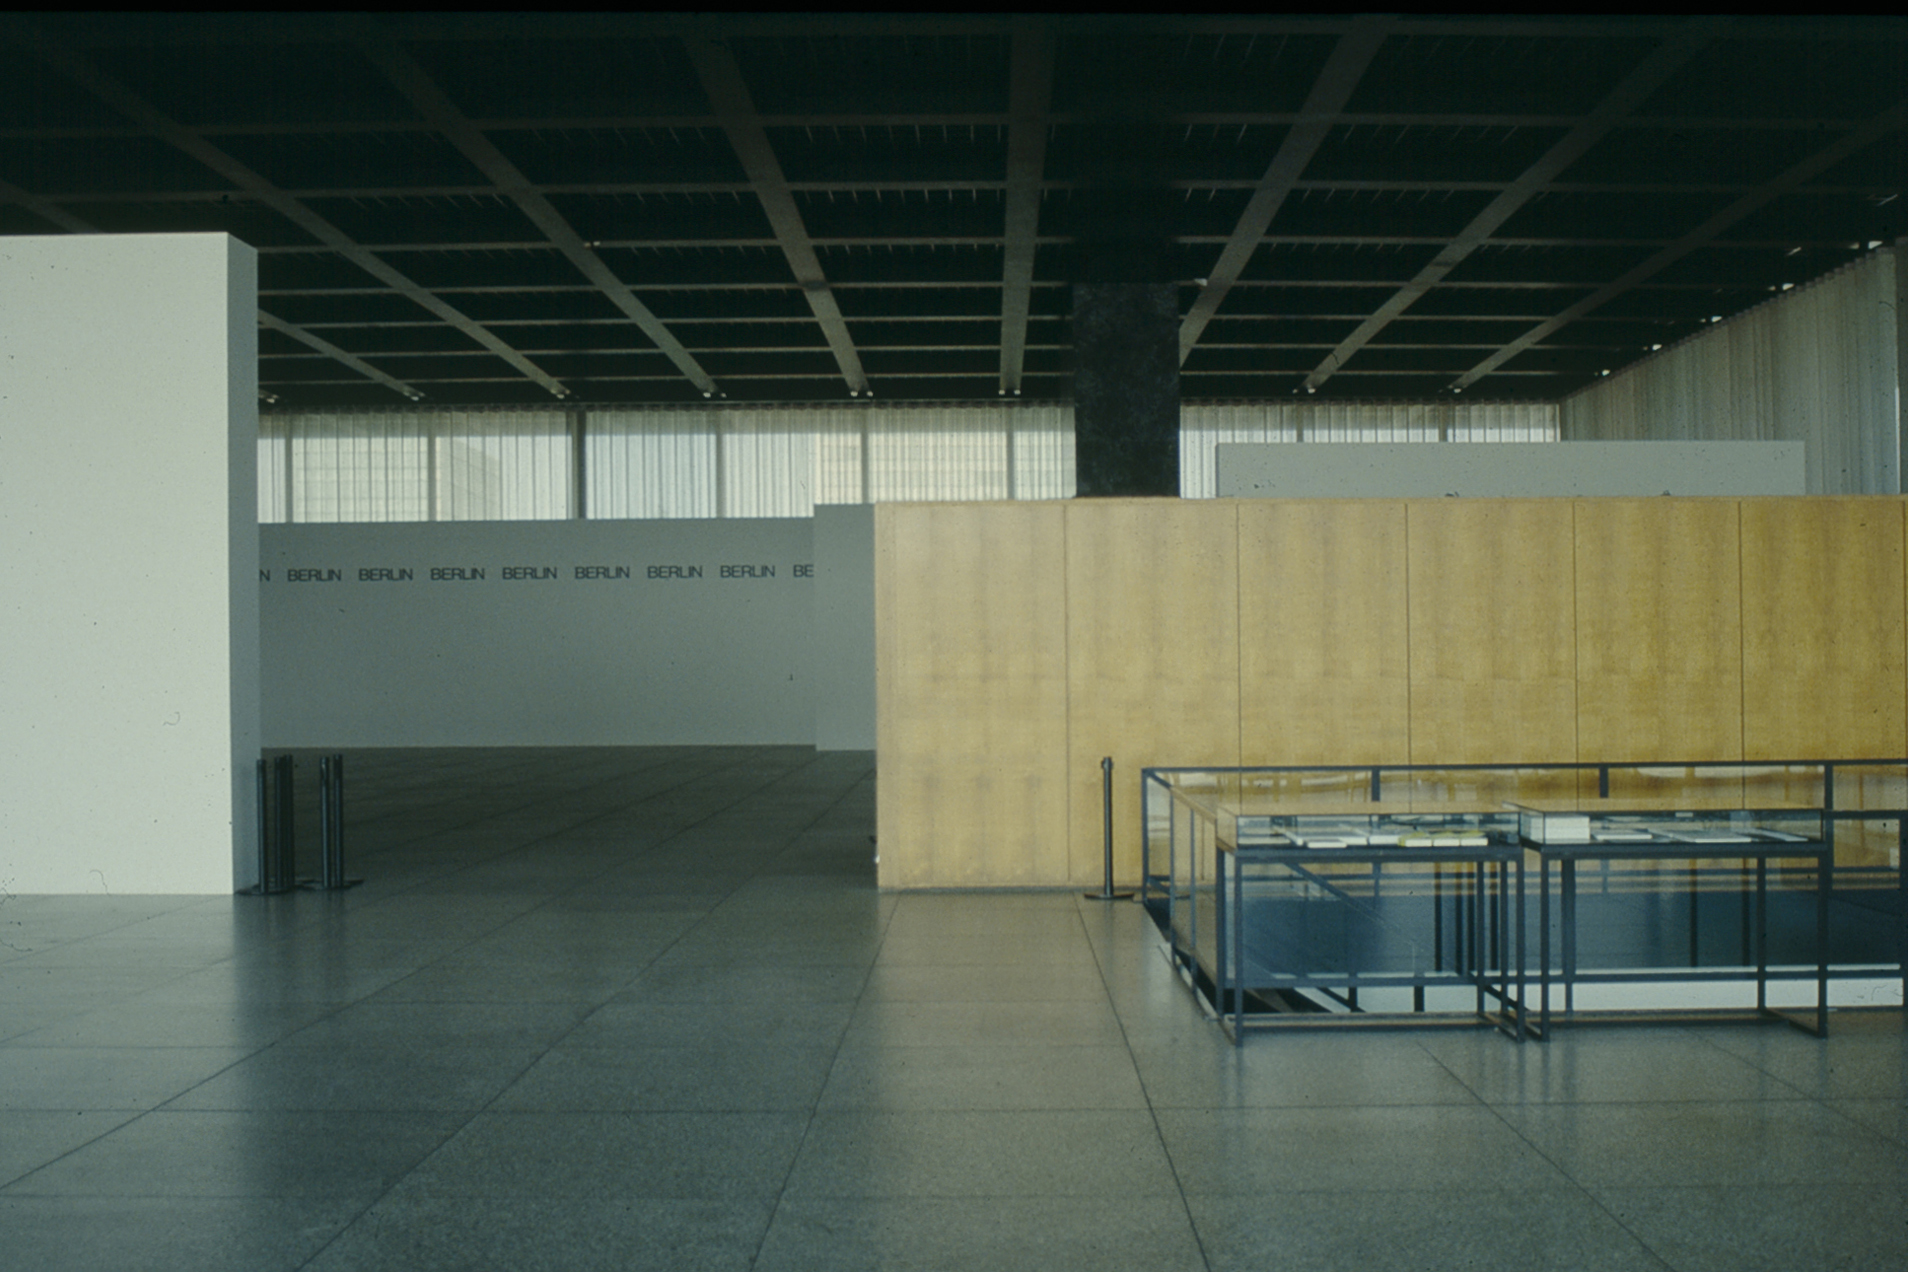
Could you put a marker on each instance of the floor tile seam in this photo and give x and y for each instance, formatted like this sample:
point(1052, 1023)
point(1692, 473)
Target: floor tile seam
point(491, 815)
point(679, 938)
point(1873, 1132)
point(1586, 1190)
point(1146, 1094)
point(185, 903)
point(1709, 1041)
point(814, 1108)
point(7, 1186)
point(395, 1183)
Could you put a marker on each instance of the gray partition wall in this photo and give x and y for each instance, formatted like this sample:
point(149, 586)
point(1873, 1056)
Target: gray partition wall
point(128, 563)
point(844, 627)
point(538, 633)
point(1429, 470)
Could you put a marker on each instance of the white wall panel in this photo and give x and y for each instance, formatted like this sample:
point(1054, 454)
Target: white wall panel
point(128, 563)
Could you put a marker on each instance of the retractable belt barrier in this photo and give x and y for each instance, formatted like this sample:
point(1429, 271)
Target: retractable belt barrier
point(278, 821)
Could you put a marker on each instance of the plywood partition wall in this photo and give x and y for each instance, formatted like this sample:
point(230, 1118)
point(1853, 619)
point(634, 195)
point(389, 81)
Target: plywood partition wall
point(1324, 653)
point(1822, 632)
point(1659, 629)
point(1493, 631)
point(1152, 656)
point(1019, 643)
point(971, 694)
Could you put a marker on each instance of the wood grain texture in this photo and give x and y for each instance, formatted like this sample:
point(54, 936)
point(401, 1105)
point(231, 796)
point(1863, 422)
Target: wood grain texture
point(1324, 655)
point(971, 718)
point(1493, 657)
point(1152, 656)
point(1659, 630)
point(1823, 627)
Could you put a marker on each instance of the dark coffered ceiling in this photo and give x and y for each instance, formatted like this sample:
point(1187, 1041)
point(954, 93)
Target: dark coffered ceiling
point(638, 209)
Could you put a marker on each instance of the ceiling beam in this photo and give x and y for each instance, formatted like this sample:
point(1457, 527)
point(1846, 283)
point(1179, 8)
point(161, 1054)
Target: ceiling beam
point(1891, 120)
point(429, 100)
point(722, 81)
point(1634, 89)
point(190, 141)
point(1330, 91)
point(1029, 95)
point(333, 352)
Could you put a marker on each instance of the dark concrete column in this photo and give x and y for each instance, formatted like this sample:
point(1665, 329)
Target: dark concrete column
point(1125, 301)
point(1126, 388)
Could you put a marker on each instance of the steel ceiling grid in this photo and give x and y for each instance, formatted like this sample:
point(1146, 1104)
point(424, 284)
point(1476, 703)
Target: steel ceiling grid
point(940, 171)
point(345, 162)
point(213, 86)
point(604, 157)
point(1786, 76)
point(1182, 73)
point(535, 76)
point(863, 75)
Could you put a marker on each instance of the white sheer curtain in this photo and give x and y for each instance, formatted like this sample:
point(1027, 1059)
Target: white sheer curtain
point(765, 461)
point(503, 466)
point(650, 464)
point(1818, 364)
point(274, 469)
point(782, 461)
point(768, 462)
point(415, 466)
point(374, 466)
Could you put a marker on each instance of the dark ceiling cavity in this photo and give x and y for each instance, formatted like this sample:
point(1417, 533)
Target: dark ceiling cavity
point(520, 209)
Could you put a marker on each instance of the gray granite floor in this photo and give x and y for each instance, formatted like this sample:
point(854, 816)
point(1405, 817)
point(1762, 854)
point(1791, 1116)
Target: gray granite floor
point(645, 1009)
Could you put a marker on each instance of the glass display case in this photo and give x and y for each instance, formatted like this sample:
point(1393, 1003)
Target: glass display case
point(1288, 903)
point(1343, 892)
point(1681, 892)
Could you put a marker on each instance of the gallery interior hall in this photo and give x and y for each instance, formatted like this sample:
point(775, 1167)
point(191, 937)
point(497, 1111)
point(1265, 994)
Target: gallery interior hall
point(952, 642)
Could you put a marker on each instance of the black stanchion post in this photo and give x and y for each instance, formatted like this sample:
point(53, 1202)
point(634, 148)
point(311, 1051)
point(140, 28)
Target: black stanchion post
point(285, 845)
point(331, 824)
point(1106, 892)
point(327, 876)
point(275, 863)
point(264, 833)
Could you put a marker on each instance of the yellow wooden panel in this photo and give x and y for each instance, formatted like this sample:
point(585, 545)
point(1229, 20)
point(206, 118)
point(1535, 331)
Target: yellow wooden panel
point(1152, 656)
point(1659, 630)
point(971, 694)
point(1493, 660)
point(1822, 628)
point(1323, 648)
